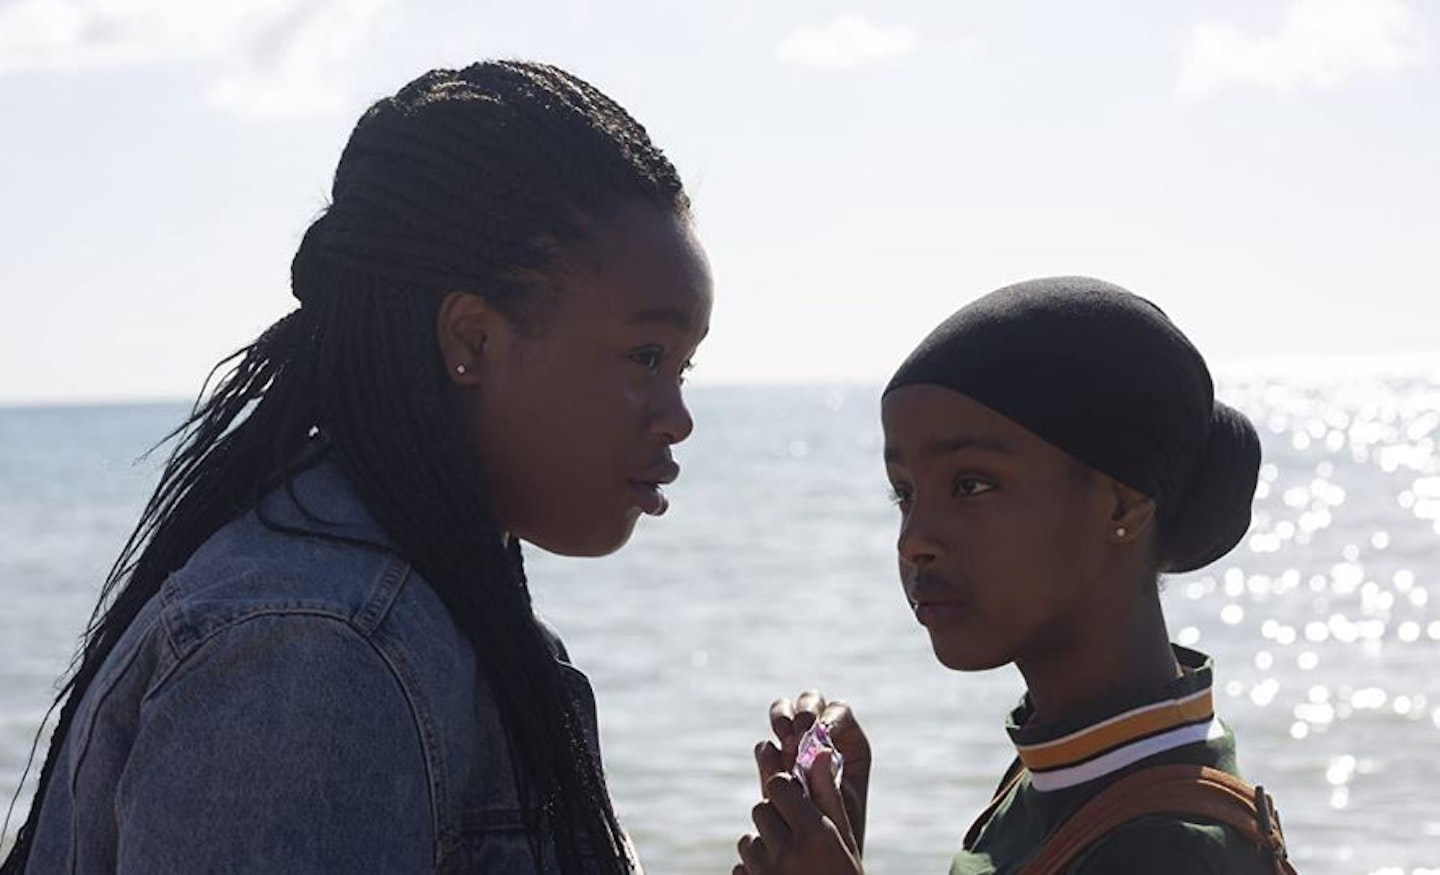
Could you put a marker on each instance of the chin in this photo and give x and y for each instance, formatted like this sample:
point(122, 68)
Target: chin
point(961, 658)
point(587, 541)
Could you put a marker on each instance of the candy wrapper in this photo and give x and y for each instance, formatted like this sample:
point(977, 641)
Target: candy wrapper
point(815, 738)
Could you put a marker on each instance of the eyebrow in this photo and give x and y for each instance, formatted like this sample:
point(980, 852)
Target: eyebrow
point(664, 315)
point(946, 446)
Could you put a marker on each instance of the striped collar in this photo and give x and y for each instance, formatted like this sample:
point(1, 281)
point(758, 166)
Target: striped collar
point(1071, 752)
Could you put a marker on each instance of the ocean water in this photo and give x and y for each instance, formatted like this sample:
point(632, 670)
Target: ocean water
point(773, 572)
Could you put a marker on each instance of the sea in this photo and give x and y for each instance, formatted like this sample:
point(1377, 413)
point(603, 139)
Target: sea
point(774, 572)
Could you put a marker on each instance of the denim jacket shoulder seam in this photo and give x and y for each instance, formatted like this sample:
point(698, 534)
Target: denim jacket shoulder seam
point(429, 738)
point(186, 637)
point(82, 747)
point(384, 590)
point(409, 694)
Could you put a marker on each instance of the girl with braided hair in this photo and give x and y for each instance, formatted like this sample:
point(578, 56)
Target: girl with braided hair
point(1054, 447)
point(317, 652)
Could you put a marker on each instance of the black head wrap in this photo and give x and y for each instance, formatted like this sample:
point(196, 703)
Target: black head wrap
point(1105, 376)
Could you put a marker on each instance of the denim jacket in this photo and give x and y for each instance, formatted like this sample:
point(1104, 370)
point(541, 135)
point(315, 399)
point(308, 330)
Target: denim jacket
point(290, 703)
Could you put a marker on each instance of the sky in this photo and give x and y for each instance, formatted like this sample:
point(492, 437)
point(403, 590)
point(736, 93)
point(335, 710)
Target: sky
point(1267, 171)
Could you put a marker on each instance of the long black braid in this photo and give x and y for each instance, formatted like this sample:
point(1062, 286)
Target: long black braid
point(465, 180)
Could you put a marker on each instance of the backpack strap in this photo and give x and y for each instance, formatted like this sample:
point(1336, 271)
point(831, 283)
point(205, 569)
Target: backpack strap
point(1013, 774)
point(1174, 789)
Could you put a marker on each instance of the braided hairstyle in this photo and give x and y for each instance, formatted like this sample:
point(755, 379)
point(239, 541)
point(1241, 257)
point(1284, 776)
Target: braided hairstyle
point(469, 180)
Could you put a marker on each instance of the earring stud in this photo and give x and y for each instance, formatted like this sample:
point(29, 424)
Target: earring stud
point(1119, 531)
point(460, 369)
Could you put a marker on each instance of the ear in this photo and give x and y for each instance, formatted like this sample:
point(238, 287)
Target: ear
point(1132, 512)
point(469, 330)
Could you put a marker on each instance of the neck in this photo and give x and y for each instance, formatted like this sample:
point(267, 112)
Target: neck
point(1117, 655)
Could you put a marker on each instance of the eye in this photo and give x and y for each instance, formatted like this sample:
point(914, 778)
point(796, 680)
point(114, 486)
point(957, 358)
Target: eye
point(967, 485)
point(900, 496)
point(686, 367)
point(648, 357)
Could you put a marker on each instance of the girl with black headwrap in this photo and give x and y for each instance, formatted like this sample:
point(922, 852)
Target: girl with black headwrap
point(1054, 447)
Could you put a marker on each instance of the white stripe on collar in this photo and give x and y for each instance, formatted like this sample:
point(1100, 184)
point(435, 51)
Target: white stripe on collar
point(1115, 760)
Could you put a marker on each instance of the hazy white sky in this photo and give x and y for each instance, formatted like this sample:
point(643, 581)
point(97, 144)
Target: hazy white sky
point(1268, 171)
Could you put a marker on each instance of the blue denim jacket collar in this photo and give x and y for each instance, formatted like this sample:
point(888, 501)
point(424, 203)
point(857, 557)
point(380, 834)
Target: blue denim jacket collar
point(321, 501)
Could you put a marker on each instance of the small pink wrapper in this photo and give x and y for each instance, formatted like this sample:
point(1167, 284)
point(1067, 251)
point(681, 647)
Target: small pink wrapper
point(815, 738)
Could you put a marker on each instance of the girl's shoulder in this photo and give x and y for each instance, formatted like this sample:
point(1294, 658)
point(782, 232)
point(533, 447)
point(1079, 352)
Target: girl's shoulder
point(1175, 844)
point(308, 548)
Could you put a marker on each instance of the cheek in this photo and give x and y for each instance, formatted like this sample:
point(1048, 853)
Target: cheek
point(587, 437)
point(1062, 548)
point(1016, 545)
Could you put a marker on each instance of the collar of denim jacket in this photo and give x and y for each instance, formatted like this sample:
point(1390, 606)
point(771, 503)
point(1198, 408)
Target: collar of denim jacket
point(321, 502)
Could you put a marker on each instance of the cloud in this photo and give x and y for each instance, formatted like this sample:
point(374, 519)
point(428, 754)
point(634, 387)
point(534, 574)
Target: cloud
point(1320, 45)
point(300, 79)
point(264, 58)
point(848, 41)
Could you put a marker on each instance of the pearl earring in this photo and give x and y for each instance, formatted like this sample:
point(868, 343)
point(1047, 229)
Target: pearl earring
point(1119, 531)
point(460, 369)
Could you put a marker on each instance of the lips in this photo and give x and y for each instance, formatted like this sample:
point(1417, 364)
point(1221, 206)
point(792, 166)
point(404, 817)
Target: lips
point(649, 498)
point(936, 614)
point(936, 603)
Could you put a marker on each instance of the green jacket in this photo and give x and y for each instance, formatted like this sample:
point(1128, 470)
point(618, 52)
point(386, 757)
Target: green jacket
point(1068, 764)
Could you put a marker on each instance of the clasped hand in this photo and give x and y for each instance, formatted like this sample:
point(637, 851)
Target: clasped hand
point(821, 835)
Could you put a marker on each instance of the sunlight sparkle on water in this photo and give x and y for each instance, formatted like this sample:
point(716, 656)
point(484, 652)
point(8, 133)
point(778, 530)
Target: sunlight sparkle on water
point(1234, 583)
point(1341, 769)
point(1319, 714)
point(1263, 693)
point(1346, 577)
point(1372, 630)
point(1340, 797)
point(1368, 699)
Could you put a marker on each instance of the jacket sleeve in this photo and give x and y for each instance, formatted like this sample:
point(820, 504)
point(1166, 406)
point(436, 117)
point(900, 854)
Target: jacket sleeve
point(283, 743)
point(1164, 843)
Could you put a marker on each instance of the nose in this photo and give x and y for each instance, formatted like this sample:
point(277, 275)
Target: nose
point(673, 421)
point(917, 544)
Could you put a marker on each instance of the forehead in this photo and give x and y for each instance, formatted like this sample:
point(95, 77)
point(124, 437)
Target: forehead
point(920, 409)
point(643, 262)
point(925, 421)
